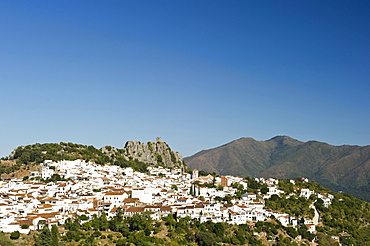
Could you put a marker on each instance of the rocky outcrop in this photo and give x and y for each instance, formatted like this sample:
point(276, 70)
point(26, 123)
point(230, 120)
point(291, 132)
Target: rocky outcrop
point(153, 153)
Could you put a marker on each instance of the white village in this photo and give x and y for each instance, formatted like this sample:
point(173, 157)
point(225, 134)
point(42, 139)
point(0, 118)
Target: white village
point(92, 189)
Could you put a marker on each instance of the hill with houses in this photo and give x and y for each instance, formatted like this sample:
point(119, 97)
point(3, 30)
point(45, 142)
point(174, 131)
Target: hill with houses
point(134, 154)
point(88, 202)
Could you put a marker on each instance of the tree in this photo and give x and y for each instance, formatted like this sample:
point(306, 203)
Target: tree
point(72, 225)
point(205, 239)
point(90, 240)
point(252, 183)
point(217, 198)
point(44, 238)
point(54, 236)
point(104, 224)
point(115, 224)
point(96, 234)
point(302, 230)
point(219, 229)
point(86, 226)
point(159, 158)
point(139, 222)
point(95, 222)
point(291, 232)
point(264, 189)
point(169, 220)
point(191, 191)
point(219, 187)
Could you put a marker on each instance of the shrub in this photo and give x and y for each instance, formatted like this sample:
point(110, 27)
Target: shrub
point(96, 234)
point(15, 235)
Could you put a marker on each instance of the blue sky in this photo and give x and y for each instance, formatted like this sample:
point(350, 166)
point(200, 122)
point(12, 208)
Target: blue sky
point(198, 74)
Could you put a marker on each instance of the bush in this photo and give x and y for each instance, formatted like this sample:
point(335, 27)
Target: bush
point(96, 234)
point(205, 239)
point(121, 242)
point(291, 232)
point(15, 235)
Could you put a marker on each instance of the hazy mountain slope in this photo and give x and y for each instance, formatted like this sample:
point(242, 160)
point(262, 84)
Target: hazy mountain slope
point(336, 167)
point(244, 156)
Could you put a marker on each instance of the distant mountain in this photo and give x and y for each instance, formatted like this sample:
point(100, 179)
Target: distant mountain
point(340, 168)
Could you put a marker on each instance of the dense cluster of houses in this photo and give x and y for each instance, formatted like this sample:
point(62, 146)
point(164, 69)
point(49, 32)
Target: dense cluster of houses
point(92, 189)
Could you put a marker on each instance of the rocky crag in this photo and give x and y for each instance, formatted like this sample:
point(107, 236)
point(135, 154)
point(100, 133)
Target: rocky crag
point(153, 153)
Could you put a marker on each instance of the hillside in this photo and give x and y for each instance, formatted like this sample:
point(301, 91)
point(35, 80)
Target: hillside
point(255, 211)
point(340, 168)
point(135, 154)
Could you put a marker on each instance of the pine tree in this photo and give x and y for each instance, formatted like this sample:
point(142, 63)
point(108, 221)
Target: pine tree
point(54, 236)
point(44, 238)
point(104, 224)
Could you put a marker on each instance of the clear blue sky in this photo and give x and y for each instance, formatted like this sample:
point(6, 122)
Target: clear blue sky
point(198, 74)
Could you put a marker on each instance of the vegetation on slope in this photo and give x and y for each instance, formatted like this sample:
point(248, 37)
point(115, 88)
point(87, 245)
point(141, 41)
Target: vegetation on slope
point(8, 166)
point(345, 214)
point(140, 229)
point(348, 214)
point(37, 153)
point(347, 218)
point(340, 168)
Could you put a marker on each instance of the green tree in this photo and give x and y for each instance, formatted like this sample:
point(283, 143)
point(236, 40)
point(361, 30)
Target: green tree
point(115, 224)
point(89, 240)
point(54, 236)
point(302, 230)
point(219, 229)
point(139, 222)
point(219, 187)
point(86, 226)
point(291, 232)
point(44, 238)
point(205, 239)
point(159, 158)
point(72, 225)
point(252, 184)
point(104, 224)
point(264, 189)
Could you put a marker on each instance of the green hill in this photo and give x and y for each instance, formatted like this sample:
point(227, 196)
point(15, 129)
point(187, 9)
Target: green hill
point(340, 168)
point(134, 154)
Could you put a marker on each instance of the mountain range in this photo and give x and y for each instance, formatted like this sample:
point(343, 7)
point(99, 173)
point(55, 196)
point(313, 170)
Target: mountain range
point(343, 168)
